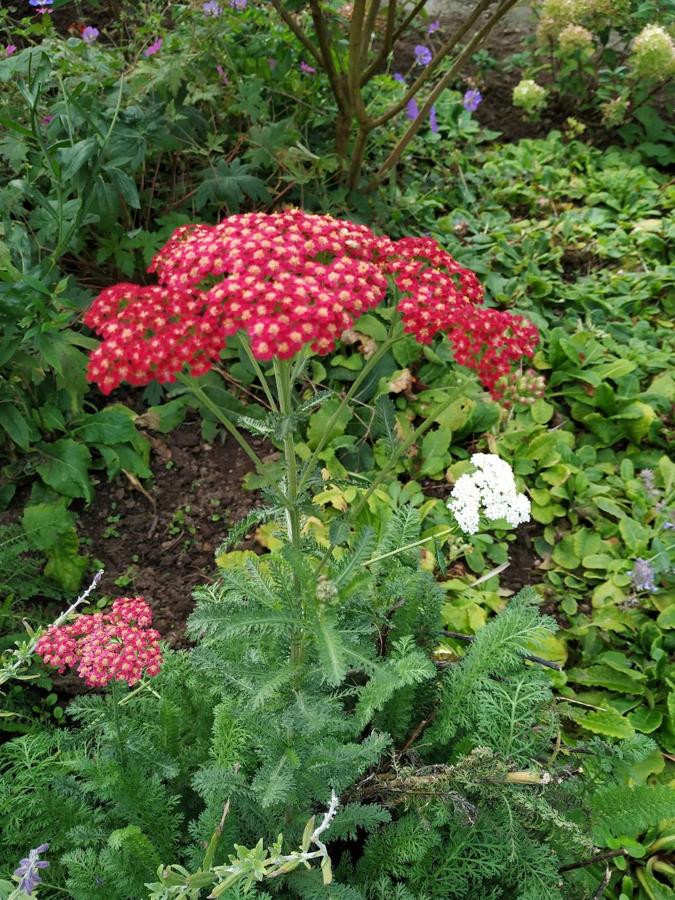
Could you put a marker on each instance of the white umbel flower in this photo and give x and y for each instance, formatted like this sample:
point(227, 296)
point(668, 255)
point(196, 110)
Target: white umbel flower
point(491, 490)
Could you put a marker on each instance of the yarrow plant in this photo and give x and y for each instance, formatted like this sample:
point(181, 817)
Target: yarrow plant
point(286, 285)
point(490, 492)
point(291, 280)
point(105, 647)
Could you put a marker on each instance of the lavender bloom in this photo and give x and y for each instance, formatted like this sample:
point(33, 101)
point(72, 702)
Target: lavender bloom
point(153, 48)
point(433, 26)
point(412, 110)
point(222, 74)
point(307, 69)
point(10, 49)
point(45, 120)
point(41, 2)
point(398, 77)
point(212, 8)
point(433, 121)
point(28, 869)
point(651, 490)
point(472, 100)
point(423, 55)
point(238, 4)
point(643, 576)
point(89, 34)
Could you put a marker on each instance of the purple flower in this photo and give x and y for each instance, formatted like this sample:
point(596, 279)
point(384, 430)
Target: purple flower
point(10, 49)
point(41, 2)
point(433, 121)
point(433, 26)
point(89, 34)
point(308, 70)
point(423, 55)
point(238, 4)
point(222, 74)
point(153, 48)
point(643, 576)
point(412, 109)
point(45, 120)
point(472, 100)
point(212, 8)
point(398, 77)
point(28, 869)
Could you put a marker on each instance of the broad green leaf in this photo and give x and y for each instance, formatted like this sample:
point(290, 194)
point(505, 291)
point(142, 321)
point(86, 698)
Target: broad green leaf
point(46, 523)
point(64, 466)
point(586, 542)
point(319, 421)
point(541, 411)
point(635, 535)
point(112, 425)
point(645, 720)
point(66, 567)
point(165, 417)
point(666, 619)
point(15, 424)
point(608, 722)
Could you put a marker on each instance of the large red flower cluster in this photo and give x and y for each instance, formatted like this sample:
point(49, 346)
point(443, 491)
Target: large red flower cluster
point(104, 647)
point(289, 279)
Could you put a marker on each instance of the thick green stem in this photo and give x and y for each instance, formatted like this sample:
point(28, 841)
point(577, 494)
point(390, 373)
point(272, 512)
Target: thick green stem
point(284, 380)
point(257, 368)
point(204, 398)
point(282, 373)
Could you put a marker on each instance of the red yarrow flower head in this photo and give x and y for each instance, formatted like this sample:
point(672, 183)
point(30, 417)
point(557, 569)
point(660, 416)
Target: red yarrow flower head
point(290, 279)
point(115, 646)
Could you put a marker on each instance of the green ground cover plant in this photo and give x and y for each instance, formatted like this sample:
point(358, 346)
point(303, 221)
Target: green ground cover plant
point(365, 707)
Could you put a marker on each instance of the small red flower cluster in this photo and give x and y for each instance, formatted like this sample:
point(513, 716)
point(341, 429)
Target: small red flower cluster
point(440, 295)
point(289, 279)
point(104, 647)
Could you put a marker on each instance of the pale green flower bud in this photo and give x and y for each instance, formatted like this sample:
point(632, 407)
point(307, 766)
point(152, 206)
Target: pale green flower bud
point(575, 37)
point(529, 96)
point(653, 55)
point(614, 111)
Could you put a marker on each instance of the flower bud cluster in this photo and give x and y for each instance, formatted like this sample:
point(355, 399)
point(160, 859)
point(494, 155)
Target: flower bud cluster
point(491, 492)
point(529, 96)
point(575, 37)
point(614, 111)
point(103, 647)
point(653, 54)
point(521, 388)
point(289, 279)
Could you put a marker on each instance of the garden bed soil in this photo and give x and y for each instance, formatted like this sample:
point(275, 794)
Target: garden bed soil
point(159, 539)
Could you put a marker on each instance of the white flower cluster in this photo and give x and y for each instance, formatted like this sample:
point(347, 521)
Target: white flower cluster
point(492, 490)
point(529, 95)
point(653, 55)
